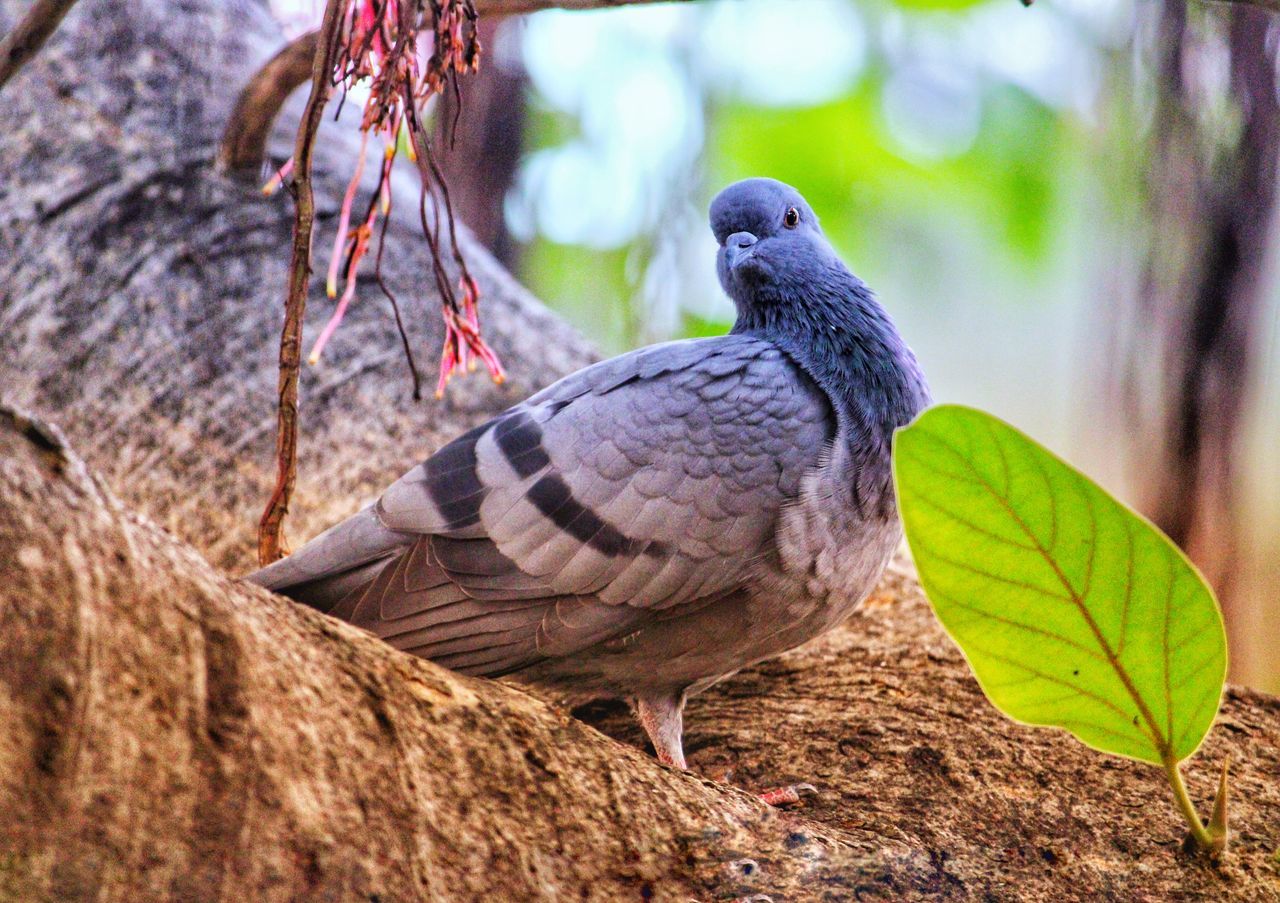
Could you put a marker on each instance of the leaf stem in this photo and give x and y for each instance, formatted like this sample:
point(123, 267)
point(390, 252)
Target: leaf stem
point(1201, 834)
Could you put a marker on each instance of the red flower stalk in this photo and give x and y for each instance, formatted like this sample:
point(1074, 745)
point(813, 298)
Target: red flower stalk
point(378, 43)
point(463, 344)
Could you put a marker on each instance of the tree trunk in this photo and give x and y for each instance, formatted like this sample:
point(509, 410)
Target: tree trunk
point(1189, 362)
point(166, 733)
point(141, 291)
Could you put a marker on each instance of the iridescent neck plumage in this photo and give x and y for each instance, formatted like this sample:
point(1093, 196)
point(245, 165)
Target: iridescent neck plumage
point(836, 330)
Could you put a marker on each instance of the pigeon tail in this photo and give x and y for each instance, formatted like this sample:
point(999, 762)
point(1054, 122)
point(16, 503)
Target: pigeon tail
point(346, 556)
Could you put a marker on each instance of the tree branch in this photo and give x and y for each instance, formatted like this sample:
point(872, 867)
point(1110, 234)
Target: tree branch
point(244, 142)
point(243, 145)
point(271, 545)
point(29, 35)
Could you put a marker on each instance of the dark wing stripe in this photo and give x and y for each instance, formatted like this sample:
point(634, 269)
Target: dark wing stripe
point(471, 557)
point(452, 481)
point(551, 495)
point(520, 439)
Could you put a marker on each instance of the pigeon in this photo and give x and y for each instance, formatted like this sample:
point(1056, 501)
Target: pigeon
point(652, 523)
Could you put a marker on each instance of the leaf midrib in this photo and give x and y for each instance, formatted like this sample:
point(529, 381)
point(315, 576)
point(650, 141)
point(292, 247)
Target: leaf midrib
point(1162, 744)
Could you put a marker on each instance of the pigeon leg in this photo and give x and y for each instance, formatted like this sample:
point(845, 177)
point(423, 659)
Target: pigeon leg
point(662, 718)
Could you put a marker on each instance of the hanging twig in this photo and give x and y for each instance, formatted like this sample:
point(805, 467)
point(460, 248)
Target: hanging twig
point(243, 144)
point(375, 41)
point(395, 309)
point(29, 35)
point(271, 544)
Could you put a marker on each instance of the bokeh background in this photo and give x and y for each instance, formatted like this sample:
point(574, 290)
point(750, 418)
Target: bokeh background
point(1067, 209)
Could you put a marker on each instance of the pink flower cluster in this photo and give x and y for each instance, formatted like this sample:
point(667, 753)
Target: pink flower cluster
point(378, 43)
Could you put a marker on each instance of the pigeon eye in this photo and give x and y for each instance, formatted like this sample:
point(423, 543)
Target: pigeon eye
point(792, 218)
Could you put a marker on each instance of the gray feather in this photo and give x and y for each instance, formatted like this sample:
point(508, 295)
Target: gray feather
point(654, 522)
point(347, 554)
point(642, 483)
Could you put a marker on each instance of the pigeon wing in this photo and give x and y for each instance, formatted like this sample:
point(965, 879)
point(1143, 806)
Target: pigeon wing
point(650, 481)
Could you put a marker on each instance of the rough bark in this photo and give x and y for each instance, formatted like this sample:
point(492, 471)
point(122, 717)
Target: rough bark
point(167, 733)
point(140, 287)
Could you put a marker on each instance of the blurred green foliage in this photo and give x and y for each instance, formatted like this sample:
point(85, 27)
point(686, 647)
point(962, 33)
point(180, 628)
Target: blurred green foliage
point(994, 200)
point(591, 288)
point(844, 156)
point(936, 5)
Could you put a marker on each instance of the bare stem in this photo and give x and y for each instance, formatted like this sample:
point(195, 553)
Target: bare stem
point(29, 35)
point(395, 309)
point(271, 544)
point(244, 142)
point(1201, 834)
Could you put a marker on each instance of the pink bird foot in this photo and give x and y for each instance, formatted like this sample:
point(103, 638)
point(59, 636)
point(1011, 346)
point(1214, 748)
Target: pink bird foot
point(788, 795)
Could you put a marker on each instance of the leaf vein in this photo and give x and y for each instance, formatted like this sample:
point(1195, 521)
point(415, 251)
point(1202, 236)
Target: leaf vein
point(960, 519)
point(1162, 744)
point(1090, 694)
point(1130, 554)
point(1053, 503)
point(1030, 628)
point(990, 575)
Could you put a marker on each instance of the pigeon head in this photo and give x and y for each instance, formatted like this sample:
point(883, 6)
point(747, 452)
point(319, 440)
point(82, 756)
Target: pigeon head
point(790, 287)
point(770, 243)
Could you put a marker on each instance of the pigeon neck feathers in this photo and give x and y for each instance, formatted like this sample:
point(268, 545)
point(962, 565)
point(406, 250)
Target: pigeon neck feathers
point(833, 327)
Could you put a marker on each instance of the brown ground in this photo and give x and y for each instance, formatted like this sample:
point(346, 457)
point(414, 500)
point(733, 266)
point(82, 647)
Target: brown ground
point(883, 716)
point(166, 733)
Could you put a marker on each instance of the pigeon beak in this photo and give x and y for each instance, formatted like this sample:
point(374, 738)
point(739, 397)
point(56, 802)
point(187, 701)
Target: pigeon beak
point(738, 247)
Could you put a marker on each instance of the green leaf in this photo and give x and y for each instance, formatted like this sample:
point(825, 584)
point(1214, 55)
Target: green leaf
point(1072, 610)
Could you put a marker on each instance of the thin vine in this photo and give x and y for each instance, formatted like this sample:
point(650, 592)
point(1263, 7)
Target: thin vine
point(378, 43)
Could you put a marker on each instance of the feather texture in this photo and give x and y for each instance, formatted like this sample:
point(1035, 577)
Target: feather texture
point(656, 521)
point(642, 483)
